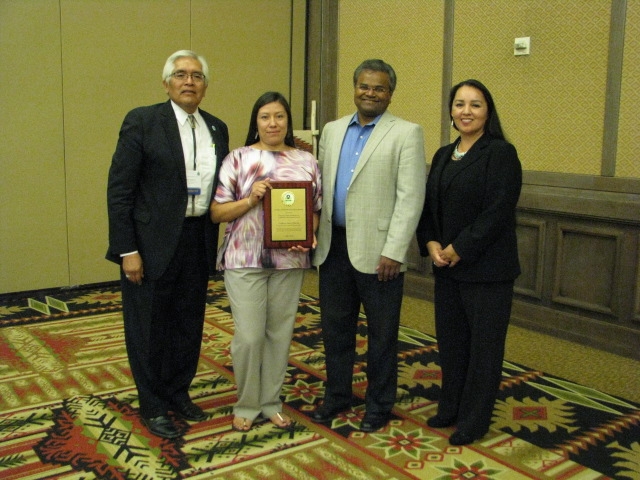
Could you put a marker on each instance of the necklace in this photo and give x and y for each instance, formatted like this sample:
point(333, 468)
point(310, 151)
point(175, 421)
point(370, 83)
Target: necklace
point(456, 154)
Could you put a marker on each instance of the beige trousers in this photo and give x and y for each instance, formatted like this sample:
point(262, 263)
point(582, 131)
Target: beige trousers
point(264, 304)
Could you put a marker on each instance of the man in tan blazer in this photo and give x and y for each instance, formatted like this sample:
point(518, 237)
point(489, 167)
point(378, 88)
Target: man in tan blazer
point(374, 172)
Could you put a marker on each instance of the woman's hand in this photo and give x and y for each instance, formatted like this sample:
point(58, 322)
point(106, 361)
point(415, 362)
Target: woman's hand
point(299, 248)
point(436, 253)
point(229, 211)
point(258, 191)
point(450, 254)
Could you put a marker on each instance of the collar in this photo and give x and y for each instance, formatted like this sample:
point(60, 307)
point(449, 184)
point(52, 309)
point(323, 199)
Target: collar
point(354, 120)
point(182, 116)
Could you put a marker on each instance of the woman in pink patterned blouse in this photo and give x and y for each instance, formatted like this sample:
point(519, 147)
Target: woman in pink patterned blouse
point(263, 284)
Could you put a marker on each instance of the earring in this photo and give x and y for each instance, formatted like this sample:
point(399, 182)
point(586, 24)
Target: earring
point(452, 122)
point(256, 135)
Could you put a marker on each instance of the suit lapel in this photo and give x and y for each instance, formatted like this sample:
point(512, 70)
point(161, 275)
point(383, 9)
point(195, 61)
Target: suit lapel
point(435, 177)
point(457, 167)
point(216, 135)
point(170, 125)
point(218, 140)
point(336, 148)
point(472, 156)
point(380, 131)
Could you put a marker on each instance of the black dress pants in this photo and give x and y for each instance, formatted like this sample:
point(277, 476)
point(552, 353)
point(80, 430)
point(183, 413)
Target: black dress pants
point(471, 328)
point(342, 290)
point(163, 323)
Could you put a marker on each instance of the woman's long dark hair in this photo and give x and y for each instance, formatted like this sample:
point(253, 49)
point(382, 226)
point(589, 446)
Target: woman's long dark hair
point(265, 98)
point(492, 127)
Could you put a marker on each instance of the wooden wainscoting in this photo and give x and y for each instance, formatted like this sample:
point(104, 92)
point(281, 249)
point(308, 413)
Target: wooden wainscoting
point(579, 252)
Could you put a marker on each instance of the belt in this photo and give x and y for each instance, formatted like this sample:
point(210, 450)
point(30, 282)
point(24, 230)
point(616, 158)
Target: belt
point(194, 219)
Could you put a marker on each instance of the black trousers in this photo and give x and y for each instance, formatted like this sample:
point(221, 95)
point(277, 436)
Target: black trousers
point(163, 324)
point(342, 290)
point(471, 327)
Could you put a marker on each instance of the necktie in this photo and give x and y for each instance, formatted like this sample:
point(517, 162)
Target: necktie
point(192, 122)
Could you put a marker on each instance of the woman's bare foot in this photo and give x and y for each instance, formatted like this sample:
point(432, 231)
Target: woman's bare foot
point(241, 424)
point(281, 421)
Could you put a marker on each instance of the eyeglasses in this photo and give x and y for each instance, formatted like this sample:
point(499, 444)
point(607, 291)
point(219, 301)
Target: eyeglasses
point(365, 88)
point(197, 77)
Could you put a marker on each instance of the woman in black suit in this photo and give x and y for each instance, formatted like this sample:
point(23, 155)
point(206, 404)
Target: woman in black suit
point(468, 229)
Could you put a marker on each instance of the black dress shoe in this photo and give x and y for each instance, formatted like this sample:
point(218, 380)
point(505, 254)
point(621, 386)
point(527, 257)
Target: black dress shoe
point(161, 426)
point(461, 438)
point(441, 422)
point(373, 423)
point(325, 415)
point(189, 411)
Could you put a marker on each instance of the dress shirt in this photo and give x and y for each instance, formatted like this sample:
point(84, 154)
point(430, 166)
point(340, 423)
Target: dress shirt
point(205, 162)
point(353, 144)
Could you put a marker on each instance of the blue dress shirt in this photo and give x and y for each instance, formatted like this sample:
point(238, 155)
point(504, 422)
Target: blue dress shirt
point(352, 146)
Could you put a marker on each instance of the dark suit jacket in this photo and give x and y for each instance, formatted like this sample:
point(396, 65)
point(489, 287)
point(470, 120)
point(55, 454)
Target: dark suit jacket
point(147, 188)
point(474, 210)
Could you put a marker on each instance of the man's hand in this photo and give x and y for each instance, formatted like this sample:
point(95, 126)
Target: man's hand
point(387, 269)
point(132, 268)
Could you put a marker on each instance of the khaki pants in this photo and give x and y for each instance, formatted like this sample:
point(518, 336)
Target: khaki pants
point(264, 304)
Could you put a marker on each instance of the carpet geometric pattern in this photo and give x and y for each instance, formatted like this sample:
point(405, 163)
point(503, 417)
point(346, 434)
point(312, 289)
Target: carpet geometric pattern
point(68, 409)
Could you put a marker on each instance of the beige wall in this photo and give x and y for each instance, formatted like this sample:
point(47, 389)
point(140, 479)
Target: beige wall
point(33, 235)
point(407, 34)
point(551, 103)
point(73, 68)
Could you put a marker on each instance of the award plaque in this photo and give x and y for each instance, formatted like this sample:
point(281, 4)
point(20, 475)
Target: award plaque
point(288, 215)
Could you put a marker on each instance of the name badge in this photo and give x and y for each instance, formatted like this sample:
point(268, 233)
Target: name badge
point(194, 182)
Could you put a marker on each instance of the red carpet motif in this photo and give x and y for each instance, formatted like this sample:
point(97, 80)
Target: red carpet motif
point(68, 409)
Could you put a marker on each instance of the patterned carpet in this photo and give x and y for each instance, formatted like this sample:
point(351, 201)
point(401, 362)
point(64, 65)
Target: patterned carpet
point(68, 409)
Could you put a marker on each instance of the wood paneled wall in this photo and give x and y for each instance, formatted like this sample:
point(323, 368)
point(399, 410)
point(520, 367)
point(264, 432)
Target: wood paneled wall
point(580, 257)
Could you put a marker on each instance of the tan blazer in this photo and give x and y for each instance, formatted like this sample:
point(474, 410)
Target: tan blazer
point(385, 196)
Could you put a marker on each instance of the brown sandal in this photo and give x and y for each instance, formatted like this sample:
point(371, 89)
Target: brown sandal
point(243, 426)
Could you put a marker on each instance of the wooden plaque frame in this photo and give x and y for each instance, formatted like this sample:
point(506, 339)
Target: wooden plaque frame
point(288, 215)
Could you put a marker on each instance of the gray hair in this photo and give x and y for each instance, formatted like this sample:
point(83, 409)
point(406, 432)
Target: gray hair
point(171, 63)
point(376, 65)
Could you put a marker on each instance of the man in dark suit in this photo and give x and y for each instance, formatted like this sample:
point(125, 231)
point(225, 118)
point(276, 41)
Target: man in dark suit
point(162, 174)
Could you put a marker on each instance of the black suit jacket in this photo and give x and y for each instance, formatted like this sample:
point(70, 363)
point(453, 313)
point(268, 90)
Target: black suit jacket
point(473, 207)
point(147, 188)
